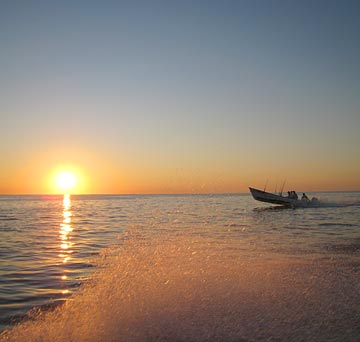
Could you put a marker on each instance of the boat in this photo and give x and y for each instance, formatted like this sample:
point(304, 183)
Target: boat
point(290, 201)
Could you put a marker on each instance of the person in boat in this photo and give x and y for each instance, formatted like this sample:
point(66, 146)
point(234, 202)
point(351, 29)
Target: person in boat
point(304, 197)
point(292, 194)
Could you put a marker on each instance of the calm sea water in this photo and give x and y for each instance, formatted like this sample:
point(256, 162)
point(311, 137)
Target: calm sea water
point(178, 268)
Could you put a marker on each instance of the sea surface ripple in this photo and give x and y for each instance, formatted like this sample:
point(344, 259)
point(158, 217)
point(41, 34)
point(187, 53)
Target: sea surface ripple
point(178, 268)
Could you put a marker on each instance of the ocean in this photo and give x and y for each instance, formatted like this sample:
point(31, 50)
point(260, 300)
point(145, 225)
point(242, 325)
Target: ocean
point(178, 268)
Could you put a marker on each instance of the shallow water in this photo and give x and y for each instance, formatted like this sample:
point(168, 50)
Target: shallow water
point(178, 268)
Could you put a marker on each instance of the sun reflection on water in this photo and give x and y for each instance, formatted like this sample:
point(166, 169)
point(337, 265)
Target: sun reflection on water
point(65, 230)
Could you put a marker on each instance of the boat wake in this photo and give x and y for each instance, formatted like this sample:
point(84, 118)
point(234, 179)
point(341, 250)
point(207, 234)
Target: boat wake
point(319, 204)
point(187, 289)
point(326, 204)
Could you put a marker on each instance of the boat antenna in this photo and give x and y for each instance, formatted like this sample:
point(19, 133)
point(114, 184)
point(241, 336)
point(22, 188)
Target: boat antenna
point(266, 184)
point(282, 188)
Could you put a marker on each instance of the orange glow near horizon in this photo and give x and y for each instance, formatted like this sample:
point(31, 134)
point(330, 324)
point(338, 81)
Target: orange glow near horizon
point(97, 175)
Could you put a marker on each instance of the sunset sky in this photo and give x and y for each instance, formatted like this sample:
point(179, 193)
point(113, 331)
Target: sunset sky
point(179, 96)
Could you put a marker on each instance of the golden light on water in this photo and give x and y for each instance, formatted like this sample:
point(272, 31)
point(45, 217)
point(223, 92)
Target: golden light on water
point(67, 206)
point(65, 230)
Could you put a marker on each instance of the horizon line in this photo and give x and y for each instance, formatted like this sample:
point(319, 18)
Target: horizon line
point(161, 194)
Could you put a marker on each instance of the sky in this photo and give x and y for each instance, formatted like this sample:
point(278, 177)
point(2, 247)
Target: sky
point(179, 96)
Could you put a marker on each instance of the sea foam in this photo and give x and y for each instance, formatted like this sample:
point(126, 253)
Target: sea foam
point(183, 289)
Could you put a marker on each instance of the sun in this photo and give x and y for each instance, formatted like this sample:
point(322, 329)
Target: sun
point(65, 181)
